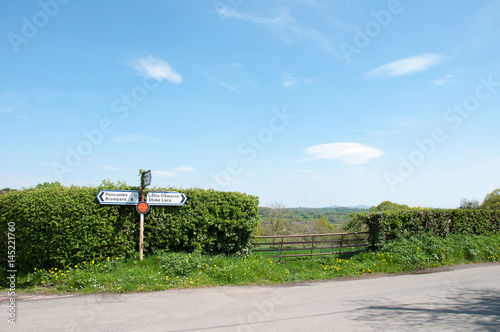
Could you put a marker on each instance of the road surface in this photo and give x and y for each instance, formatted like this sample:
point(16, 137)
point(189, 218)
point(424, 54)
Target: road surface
point(461, 299)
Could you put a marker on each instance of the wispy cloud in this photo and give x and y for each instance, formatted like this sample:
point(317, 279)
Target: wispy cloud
point(289, 79)
point(232, 77)
point(218, 81)
point(185, 168)
point(347, 153)
point(156, 68)
point(406, 66)
point(228, 12)
point(171, 174)
point(109, 168)
point(443, 80)
point(285, 26)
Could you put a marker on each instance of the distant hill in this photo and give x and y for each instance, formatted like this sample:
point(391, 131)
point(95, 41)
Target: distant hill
point(333, 214)
point(359, 207)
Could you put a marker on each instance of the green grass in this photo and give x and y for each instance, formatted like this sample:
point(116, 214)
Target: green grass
point(183, 270)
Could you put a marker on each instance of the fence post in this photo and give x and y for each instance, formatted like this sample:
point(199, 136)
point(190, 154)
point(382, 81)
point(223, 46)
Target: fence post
point(341, 242)
point(312, 245)
point(281, 249)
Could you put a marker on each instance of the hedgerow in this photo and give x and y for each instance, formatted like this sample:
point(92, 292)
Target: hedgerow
point(58, 226)
point(400, 224)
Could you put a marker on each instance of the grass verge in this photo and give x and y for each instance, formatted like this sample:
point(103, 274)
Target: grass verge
point(183, 270)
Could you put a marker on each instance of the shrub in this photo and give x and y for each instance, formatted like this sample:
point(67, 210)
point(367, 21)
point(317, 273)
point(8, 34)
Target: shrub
point(400, 224)
point(59, 226)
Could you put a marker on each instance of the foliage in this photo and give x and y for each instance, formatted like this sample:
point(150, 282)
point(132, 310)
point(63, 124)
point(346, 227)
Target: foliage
point(57, 226)
point(279, 219)
point(492, 201)
point(398, 224)
point(180, 264)
point(6, 190)
point(314, 226)
point(179, 270)
point(388, 206)
point(305, 220)
point(468, 204)
point(210, 221)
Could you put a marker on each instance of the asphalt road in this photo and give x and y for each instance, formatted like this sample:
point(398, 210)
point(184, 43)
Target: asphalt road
point(461, 299)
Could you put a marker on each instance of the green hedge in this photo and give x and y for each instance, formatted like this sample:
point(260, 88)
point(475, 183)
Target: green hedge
point(397, 224)
point(58, 226)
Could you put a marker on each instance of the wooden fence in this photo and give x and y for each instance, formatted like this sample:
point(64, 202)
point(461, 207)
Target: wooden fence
point(311, 244)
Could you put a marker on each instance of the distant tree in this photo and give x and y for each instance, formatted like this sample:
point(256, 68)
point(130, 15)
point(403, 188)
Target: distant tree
point(317, 226)
point(48, 184)
point(278, 216)
point(468, 204)
point(492, 201)
point(6, 191)
point(388, 205)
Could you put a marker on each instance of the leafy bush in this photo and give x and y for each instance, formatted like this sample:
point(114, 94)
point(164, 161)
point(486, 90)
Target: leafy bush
point(211, 221)
point(58, 226)
point(181, 264)
point(399, 224)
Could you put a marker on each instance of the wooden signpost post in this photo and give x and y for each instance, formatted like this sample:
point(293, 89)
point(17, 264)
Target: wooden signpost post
point(143, 208)
point(129, 197)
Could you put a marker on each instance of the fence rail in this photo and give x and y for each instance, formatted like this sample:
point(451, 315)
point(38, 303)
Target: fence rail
point(312, 244)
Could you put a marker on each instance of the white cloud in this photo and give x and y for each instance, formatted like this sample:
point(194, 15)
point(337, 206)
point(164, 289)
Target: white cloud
point(185, 168)
point(289, 80)
point(443, 80)
point(347, 153)
point(157, 69)
point(285, 26)
point(218, 81)
point(406, 66)
point(109, 168)
point(227, 12)
point(163, 174)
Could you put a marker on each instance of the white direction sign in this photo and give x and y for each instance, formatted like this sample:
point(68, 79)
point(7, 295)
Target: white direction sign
point(166, 198)
point(118, 197)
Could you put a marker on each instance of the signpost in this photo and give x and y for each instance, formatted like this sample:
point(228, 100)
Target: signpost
point(146, 176)
point(118, 197)
point(129, 197)
point(143, 207)
point(166, 198)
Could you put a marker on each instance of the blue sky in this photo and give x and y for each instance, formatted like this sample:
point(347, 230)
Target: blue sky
point(307, 103)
